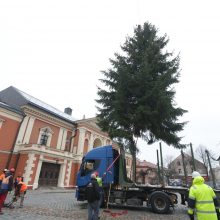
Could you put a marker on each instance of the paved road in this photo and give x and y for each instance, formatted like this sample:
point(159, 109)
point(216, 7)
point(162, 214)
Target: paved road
point(59, 204)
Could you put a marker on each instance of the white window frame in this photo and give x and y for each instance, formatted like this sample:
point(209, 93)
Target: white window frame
point(1, 122)
point(49, 133)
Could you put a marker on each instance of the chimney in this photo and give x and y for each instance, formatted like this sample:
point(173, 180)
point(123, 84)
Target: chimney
point(68, 111)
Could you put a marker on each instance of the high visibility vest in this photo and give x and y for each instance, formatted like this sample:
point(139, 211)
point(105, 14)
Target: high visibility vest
point(203, 196)
point(23, 186)
point(99, 181)
point(2, 176)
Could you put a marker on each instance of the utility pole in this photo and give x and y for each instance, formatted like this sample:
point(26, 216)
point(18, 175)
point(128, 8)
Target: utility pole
point(161, 158)
point(158, 167)
point(184, 168)
point(193, 161)
point(210, 166)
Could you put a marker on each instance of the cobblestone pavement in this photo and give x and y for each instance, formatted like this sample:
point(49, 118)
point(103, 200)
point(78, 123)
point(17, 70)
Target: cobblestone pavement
point(58, 204)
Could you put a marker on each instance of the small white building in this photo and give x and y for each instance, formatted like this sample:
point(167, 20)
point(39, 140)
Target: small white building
point(217, 173)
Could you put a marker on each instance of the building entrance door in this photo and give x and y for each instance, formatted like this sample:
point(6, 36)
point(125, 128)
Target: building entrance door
point(49, 174)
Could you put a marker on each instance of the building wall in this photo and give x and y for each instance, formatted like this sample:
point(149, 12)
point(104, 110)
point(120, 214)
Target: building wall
point(177, 166)
point(38, 124)
point(217, 175)
point(146, 172)
point(9, 126)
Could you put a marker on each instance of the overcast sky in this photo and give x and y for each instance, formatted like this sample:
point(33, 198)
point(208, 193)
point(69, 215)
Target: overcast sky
point(55, 50)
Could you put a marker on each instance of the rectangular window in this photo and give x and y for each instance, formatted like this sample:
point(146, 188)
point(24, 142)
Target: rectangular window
point(43, 139)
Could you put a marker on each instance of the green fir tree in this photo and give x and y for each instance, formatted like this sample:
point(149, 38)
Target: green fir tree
point(137, 98)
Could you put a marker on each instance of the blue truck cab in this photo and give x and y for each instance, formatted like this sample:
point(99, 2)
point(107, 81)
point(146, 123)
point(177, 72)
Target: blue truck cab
point(99, 159)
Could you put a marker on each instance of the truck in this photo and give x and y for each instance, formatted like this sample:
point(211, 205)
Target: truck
point(118, 189)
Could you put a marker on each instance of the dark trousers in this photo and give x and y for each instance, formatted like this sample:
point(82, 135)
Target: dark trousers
point(93, 210)
point(3, 196)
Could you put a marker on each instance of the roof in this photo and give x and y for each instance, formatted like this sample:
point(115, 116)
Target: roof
point(142, 164)
point(187, 156)
point(8, 107)
point(17, 98)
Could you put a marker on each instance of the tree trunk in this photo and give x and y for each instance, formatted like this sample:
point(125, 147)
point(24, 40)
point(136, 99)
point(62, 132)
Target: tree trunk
point(133, 151)
point(134, 166)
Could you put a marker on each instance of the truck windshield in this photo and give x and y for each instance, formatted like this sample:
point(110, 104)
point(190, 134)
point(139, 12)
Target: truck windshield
point(89, 166)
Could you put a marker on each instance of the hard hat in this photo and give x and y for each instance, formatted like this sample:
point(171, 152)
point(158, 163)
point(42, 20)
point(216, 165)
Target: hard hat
point(5, 170)
point(93, 176)
point(195, 174)
point(12, 170)
point(96, 173)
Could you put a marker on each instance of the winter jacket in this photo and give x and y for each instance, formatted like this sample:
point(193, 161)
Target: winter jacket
point(202, 200)
point(92, 191)
point(7, 183)
point(20, 188)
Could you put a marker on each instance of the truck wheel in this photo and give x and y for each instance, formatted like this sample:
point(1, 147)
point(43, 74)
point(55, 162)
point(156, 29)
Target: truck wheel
point(160, 203)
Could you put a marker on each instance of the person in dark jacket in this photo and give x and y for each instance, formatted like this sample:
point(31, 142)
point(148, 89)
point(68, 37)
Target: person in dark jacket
point(6, 186)
point(93, 197)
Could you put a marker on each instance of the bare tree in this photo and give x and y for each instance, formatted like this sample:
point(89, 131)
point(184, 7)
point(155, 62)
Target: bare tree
point(170, 169)
point(168, 160)
point(201, 154)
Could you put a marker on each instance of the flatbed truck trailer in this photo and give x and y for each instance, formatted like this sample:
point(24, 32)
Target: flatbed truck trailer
point(118, 190)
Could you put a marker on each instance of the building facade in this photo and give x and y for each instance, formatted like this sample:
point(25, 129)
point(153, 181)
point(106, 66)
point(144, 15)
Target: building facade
point(10, 120)
point(146, 172)
point(176, 167)
point(42, 143)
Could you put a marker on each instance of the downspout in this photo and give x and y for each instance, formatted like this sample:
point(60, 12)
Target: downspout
point(13, 147)
point(71, 138)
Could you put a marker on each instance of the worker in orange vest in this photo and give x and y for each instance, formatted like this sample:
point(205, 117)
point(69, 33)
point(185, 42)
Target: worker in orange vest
point(18, 179)
point(2, 176)
point(20, 191)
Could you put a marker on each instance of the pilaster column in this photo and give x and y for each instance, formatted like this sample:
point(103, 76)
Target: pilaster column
point(91, 141)
point(28, 168)
point(82, 132)
point(62, 174)
point(36, 179)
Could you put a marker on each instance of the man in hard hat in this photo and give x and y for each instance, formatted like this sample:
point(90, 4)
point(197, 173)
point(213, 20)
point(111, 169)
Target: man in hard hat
point(93, 197)
point(6, 186)
point(202, 200)
point(20, 191)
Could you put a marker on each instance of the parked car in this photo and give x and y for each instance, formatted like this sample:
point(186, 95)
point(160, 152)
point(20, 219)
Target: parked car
point(175, 182)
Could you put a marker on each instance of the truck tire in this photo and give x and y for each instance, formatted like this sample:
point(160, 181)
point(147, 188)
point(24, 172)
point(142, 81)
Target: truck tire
point(160, 202)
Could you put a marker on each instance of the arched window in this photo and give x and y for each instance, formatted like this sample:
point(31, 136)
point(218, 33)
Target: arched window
point(97, 143)
point(178, 163)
